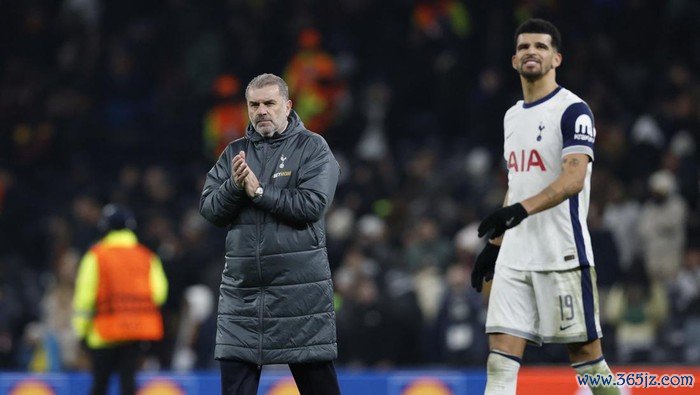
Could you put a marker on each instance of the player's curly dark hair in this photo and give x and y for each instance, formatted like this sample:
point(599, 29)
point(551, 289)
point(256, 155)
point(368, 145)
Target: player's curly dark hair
point(535, 25)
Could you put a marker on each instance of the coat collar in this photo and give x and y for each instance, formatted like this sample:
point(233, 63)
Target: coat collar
point(294, 126)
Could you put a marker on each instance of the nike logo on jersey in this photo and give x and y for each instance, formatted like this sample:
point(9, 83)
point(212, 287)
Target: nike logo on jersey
point(563, 328)
point(510, 221)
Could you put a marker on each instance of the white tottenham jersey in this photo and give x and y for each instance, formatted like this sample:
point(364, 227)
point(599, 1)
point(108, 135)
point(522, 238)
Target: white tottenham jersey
point(537, 136)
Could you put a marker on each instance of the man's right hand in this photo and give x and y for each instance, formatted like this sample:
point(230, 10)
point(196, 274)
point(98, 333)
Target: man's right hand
point(485, 265)
point(239, 170)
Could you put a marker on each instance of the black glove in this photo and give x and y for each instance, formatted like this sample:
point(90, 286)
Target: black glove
point(502, 219)
point(484, 265)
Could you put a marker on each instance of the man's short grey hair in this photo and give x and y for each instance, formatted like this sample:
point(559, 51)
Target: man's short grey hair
point(268, 79)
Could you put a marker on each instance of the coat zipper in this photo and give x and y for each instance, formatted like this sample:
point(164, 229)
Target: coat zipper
point(262, 288)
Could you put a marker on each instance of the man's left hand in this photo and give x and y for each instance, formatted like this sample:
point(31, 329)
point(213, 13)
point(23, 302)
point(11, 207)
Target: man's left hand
point(485, 265)
point(502, 219)
point(238, 170)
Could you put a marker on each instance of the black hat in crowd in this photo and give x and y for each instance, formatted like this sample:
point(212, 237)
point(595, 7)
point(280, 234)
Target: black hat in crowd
point(116, 217)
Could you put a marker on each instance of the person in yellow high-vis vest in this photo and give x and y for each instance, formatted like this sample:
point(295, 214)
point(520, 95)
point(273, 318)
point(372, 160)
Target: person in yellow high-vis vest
point(118, 291)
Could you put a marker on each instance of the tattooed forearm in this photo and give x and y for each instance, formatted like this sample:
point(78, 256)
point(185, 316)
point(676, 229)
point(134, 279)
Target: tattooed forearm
point(555, 196)
point(571, 190)
point(569, 183)
point(573, 162)
point(572, 187)
point(552, 194)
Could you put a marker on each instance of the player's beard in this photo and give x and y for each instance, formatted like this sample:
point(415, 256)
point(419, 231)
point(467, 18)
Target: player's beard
point(532, 76)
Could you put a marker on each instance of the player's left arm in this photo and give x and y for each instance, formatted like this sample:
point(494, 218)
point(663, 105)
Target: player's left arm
point(578, 136)
point(569, 183)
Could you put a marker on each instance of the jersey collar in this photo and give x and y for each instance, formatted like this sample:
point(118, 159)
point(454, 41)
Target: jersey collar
point(542, 100)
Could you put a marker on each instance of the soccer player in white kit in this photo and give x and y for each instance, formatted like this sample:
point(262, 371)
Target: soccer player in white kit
point(539, 250)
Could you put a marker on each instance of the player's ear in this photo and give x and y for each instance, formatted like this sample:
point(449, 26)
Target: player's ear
point(513, 62)
point(556, 61)
point(288, 106)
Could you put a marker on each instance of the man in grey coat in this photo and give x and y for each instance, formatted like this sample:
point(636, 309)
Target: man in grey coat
point(271, 189)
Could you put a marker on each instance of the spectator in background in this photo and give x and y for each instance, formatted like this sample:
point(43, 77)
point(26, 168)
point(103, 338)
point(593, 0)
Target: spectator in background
point(312, 75)
point(458, 333)
point(364, 326)
point(426, 247)
point(57, 309)
point(340, 224)
point(439, 18)
point(636, 308)
point(197, 309)
point(426, 257)
point(86, 214)
point(662, 228)
point(226, 120)
point(119, 287)
point(685, 294)
point(19, 306)
point(608, 271)
point(372, 236)
point(604, 249)
point(407, 321)
point(620, 216)
point(10, 316)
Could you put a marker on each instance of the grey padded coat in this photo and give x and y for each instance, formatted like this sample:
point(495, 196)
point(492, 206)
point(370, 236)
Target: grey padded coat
point(276, 295)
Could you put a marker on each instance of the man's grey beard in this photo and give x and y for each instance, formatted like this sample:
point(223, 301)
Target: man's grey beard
point(271, 132)
point(265, 132)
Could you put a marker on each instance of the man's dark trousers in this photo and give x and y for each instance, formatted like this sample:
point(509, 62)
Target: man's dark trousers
point(314, 378)
point(122, 359)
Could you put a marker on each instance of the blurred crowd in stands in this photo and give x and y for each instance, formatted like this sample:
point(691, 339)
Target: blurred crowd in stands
point(132, 101)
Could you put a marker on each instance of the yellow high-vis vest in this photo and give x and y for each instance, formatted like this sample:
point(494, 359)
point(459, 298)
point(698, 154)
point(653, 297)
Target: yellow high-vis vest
point(119, 287)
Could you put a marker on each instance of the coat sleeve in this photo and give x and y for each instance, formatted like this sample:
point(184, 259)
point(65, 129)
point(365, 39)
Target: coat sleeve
point(308, 201)
point(221, 200)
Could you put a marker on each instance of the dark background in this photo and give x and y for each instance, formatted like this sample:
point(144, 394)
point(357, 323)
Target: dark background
point(124, 101)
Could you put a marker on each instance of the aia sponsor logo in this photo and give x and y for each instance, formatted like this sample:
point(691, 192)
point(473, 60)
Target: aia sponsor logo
point(525, 160)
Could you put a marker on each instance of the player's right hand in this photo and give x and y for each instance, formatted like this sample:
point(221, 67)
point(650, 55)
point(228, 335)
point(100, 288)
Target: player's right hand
point(501, 220)
point(485, 265)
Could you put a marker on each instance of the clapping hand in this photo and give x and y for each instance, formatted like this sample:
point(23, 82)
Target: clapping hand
point(243, 177)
